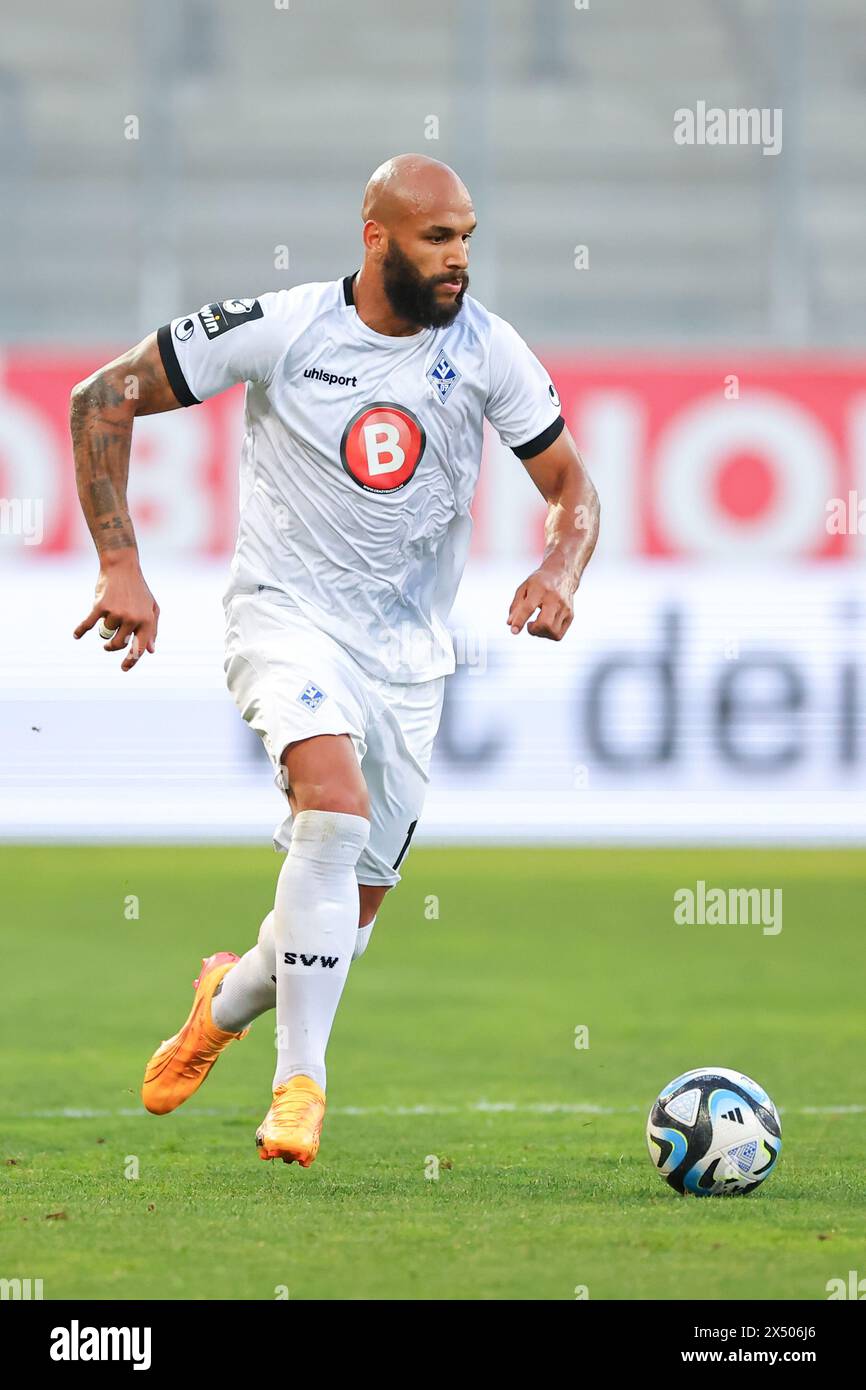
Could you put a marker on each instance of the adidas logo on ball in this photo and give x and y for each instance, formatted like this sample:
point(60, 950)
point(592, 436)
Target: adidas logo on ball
point(736, 1114)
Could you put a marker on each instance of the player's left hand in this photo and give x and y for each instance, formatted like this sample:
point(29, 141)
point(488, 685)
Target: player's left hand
point(547, 592)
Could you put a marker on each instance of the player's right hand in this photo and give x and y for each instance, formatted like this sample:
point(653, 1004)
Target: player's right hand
point(125, 603)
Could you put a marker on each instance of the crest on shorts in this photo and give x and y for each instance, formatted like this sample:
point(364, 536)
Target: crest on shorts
point(312, 696)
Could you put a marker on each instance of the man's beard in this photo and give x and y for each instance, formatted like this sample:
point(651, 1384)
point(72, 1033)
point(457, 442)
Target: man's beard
point(414, 298)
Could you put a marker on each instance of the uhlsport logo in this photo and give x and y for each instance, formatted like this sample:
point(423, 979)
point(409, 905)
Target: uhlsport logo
point(329, 378)
point(382, 446)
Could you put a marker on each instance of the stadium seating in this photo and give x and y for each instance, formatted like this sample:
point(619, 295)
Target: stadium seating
point(560, 119)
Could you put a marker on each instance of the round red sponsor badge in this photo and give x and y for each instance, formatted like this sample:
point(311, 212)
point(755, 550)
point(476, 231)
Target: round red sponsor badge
point(382, 446)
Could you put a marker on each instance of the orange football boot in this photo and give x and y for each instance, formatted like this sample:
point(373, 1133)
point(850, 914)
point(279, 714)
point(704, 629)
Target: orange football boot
point(292, 1127)
point(180, 1064)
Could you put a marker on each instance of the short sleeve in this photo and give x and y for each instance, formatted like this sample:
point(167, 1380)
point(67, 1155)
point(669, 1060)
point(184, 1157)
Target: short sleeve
point(224, 343)
point(522, 402)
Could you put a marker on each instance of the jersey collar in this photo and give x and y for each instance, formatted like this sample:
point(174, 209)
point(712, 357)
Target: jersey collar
point(403, 344)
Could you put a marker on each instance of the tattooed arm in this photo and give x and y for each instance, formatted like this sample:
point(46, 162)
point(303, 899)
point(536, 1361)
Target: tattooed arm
point(101, 414)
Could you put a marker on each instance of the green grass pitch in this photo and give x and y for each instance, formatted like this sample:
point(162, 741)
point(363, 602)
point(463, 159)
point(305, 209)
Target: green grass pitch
point(456, 1040)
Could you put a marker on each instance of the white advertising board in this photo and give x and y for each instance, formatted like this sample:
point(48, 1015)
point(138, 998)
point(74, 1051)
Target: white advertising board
point(686, 704)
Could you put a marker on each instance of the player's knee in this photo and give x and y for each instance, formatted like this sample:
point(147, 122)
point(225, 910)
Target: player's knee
point(341, 790)
point(333, 837)
point(334, 798)
point(324, 775)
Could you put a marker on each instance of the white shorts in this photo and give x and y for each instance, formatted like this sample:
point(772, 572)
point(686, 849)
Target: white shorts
point(292, 681)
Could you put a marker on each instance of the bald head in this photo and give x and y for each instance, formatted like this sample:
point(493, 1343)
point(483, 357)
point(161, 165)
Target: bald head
point(418, 219)
point(410, 186)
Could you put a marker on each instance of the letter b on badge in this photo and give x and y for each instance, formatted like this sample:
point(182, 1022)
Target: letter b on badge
point(382, 446)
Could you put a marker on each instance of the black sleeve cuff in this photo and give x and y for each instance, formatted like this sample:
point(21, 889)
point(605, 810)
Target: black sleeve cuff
point(540, 442)
point(176, 379)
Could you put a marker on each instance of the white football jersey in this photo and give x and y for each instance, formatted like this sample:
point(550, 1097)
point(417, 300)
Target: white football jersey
point(360, 457)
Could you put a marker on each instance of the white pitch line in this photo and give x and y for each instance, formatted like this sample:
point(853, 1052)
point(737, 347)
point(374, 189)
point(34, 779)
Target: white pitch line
point(479, 1107)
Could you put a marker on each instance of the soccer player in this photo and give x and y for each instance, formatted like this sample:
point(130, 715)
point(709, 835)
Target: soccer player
point(365, 402)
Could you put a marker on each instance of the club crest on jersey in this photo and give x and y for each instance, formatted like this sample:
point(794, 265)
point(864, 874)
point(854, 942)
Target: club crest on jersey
point(312, 696)
point(444, 376)
point(219, 318)
point(382, 446)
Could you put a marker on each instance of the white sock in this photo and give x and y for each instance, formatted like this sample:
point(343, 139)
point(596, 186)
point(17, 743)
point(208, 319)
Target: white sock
point(249, 988)
point(315, 925)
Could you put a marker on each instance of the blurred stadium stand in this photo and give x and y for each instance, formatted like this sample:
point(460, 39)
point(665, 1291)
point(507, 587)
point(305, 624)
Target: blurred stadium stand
point(258, 127)
point(714, 686)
